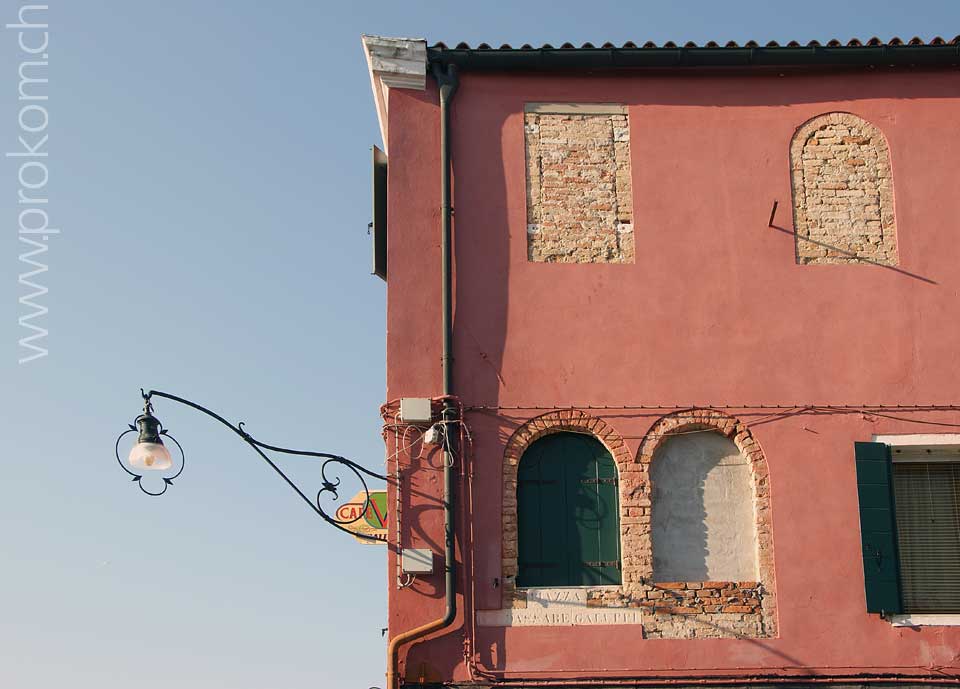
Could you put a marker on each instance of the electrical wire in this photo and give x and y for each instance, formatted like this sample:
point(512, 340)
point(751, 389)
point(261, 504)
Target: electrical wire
point(669, 407)
point(783, 411)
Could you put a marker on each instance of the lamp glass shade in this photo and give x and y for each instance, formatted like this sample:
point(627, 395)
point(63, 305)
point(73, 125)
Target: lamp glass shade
point(150, 457)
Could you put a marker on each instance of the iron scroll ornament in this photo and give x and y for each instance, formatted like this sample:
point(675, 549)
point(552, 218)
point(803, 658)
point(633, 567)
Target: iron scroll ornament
point(329, 483)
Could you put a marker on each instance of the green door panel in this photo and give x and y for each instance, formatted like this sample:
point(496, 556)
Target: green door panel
point(568, 513)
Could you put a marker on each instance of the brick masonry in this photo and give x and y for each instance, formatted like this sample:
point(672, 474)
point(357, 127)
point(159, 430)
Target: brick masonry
point(672, 609)
point(579, 192)
point(842, 192)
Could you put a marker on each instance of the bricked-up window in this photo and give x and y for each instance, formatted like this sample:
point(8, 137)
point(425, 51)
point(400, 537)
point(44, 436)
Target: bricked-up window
point(842, 192)
point(579, 196)
point(702, 515)
point(568, 514)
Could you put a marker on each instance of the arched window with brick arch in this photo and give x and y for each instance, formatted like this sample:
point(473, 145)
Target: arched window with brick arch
point(702, 519)
point(568, 513)
point(709, 525)
point(842, 192)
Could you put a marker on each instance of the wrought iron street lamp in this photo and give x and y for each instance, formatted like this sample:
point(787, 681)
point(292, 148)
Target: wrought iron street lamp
point(151, 454)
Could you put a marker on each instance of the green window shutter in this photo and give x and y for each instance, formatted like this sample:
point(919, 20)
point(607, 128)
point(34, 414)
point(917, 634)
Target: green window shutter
point(878, 534)
point(541, 504)
point(568, 513)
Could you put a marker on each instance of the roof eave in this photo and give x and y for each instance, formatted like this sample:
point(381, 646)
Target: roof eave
point(559, 59)
point(394, 63)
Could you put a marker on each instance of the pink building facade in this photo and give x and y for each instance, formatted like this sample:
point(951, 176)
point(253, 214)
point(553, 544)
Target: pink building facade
point(731, 275)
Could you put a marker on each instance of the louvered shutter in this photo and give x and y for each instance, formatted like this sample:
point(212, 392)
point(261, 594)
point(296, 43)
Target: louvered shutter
point(881, 573)
point(928, 529)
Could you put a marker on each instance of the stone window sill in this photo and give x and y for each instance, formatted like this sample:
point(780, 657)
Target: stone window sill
point(924, 620)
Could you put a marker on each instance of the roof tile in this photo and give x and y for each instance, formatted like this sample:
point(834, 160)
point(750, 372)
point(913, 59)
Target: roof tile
point(648, 45)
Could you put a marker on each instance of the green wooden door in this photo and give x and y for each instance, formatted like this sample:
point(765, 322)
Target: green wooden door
point(568, 513)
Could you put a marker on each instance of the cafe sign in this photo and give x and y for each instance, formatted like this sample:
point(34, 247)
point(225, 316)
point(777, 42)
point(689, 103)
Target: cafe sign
point(369, 522)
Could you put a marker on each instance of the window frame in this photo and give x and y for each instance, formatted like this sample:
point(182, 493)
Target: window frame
point(939, 443)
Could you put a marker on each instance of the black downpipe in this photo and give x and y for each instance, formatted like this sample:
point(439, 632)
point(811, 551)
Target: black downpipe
point(448, 82)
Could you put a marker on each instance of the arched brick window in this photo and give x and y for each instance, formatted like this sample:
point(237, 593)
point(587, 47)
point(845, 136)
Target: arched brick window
point(740, 605)
point(568, 513)
point(690, 451)
point(702, 518)
point(524, 439)
point(842, 192)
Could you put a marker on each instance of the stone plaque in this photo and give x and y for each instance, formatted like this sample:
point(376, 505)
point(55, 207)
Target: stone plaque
point(557, 607)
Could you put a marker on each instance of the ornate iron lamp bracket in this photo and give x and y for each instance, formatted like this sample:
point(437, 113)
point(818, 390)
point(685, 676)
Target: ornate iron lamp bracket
point(328, 483)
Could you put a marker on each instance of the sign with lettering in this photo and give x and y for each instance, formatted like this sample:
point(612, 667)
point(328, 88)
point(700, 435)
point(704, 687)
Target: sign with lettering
point(372, 522)
point(557, 607)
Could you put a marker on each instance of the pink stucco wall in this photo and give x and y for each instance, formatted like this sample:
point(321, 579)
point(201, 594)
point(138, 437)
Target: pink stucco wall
point(714, 311)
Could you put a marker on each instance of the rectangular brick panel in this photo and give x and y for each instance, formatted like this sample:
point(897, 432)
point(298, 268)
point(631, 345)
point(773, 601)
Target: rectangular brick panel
point(579, 192)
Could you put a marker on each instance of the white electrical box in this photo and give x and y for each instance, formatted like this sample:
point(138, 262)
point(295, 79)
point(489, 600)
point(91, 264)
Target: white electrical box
point(415, 410)
point(417, 561)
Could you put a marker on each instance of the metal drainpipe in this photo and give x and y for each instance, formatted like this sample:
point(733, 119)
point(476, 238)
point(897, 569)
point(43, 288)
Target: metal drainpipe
point(448, 82)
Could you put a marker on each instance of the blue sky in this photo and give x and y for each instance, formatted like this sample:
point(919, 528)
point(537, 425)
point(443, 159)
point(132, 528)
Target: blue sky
point(209, 171)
